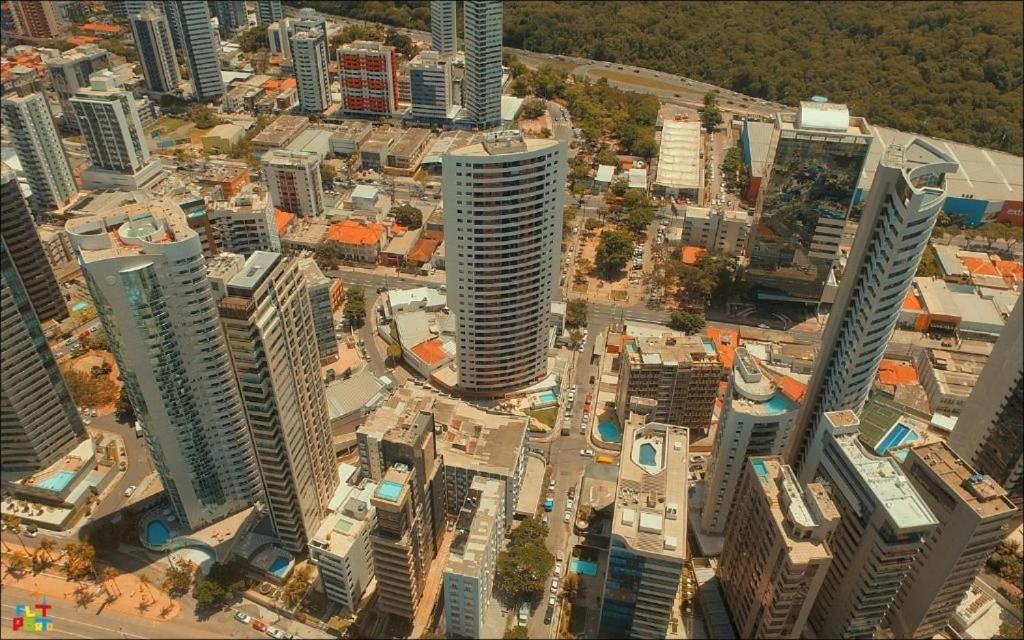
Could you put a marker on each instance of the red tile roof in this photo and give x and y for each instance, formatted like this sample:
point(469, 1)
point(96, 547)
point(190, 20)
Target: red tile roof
point(352, 232)
point(691, 255)
point(430, 352)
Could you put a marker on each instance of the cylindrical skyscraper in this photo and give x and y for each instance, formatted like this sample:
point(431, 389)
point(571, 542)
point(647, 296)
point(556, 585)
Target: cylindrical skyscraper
point(503, 203)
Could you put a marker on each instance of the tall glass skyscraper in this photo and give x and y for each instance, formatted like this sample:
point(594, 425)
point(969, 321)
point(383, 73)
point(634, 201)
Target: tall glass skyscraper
point(819, 154)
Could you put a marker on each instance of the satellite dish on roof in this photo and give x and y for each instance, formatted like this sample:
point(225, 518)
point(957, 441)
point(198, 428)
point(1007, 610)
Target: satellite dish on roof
point(819, 99)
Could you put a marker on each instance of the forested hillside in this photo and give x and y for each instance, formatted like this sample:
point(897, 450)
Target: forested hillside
point(952, 70)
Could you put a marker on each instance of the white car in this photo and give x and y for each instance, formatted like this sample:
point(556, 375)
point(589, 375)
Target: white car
point(31, 533)
point(244, 618)
point(554, 586)
point(129, 491)
point(569, 504)
point(763, 326)
point(558, 569)
point(274, 632)
point(587, 452)
point(582, 347)
point(551, 485)
point(567, 518)
point(552, 601)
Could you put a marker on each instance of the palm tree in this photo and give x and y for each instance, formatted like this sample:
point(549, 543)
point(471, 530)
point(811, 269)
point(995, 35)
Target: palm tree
point(571, 586)
point(48, 545)
point(18, 562)
point(13, 523)
point(110, 574)
point(144, 582)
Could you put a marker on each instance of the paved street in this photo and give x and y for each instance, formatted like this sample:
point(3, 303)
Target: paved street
point(139, 463)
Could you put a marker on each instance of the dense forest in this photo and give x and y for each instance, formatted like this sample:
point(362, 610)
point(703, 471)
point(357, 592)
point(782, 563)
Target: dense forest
point(948, 69)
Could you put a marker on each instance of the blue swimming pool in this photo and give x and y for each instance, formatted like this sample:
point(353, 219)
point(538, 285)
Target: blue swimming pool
point(547, 397)
point(779, 404)
point(709, 348)
point(279, 566)
point(609, 431)
point(648, 454)
point(56, 482)
point(584, 567)
point(157, 533)
point(896, 435)
point(761, 470)
point(389, 490)
point(81, 305)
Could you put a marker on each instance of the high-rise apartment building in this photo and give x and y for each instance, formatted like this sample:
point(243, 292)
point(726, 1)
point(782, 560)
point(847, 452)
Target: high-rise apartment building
point(109, 121)
point(503, 202)
point(39, 421)
point(25, 250)
point(409, 501)
point(481, 88)
point(191, 21)
point(34, 19)
point(230, 15)
point(469, 573)
point(430, 86)
point(905, 199)
point(70, 71)
point(648, 531)
point(757, 419)
point(278, 35)
point(679, 372)
point(443, 27)
point(883, 525)
point(987, 434)
point(974, 515)
point(341, 548)
point(775, 556)
point(146, 271)
point(153, 40)
point(309, 55)
point(324, 294)
point(125, 9)
point(293, 178)
point(268, 11)
point(272, 341)
point(30, 125)
point(817, 160)
point(369, 78)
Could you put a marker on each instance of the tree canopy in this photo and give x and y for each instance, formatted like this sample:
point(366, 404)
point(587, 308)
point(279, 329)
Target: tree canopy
point(408, 216)
point(525, 564)
point(951, 70)
point(354, 309)
point(613, 251)
point(688, 323)
point(576, 313)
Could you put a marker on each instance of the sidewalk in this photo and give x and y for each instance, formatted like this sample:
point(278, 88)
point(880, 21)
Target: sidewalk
point(131, 597)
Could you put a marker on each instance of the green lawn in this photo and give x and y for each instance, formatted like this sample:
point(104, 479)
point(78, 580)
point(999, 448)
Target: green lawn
point(548, 416)
point(167, 124)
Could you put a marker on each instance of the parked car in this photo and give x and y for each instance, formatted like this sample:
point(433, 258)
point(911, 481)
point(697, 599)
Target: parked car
point(587, 452)
point(259, 625)
point(567, 518)
point(549, 614)
point(129, 491)
point(524, 613)
point(31, 533)
point(276, 633)
point(558, 569)
point(554, 585)
point(244, 618)
point(560, 555)
point(551, 485)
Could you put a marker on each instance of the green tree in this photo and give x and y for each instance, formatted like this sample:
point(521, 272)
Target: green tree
point(1009, 630)
point(177, 579)
point(124, 413)
point(327, 175)
point(517, 633)
point(613, 252)
point(533, 109)
point(203, 116)
point(253, 39)
point(86, 389)
point(18, 563)
point(576, 313)
point(408, 216)
point(928, 268)
point(402, 43)
point(710, 115)
point(688, 323)
point(208, 592)
point(525, 564)
point(994, 232)
point(354, 309)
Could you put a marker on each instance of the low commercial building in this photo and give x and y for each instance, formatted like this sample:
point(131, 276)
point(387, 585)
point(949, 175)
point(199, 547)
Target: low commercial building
point(959, 308)
point(716, 229)
point(948, 377)
point(305, 234)
point(223, 138)
point(681, 373)
point(340, 549)
point(425, 298)
point(405, 155)
point(347, 136)
point(351, 399)
point(679, 163)
point(402, 242)
point(227, 177)
point(358, 241)
point(603, 178)
point(775, 554)
point(279, 133)
point(647, 554)
point(469, 573)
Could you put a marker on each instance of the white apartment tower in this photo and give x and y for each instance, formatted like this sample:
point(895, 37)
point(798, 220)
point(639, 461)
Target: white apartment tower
point(443, 32)
point(273, 345)
point(155, 45)
point(69, 71)
point(192, 20)
point(757, 419)
point(39, 422)
point(974, 515)
point(469, 573)
point(430, 86)
point(902, 206)
point(30, 125)
point(775, 555)
point(268, 11)
point(309, 54)
point(883, 525)
point(481, 89)
point(987, 434)
point(113, 133)
point(293, 178)
point(503, 202)
point(146, 271)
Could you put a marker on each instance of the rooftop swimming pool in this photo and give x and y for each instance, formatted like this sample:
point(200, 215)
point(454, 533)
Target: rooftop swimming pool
point(648, 454)
point(761, 469)
point(389, 490)
point(779, 404)
point(584, 567)
point(547, 397)
point(709, 348)
point(609, 431)
point(279, 566)
point(81, 305)
point(57, 482)
point(899, 434)
point(157, 533)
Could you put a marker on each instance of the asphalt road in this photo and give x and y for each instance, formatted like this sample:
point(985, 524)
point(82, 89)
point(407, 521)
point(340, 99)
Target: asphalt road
point(139, 463)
